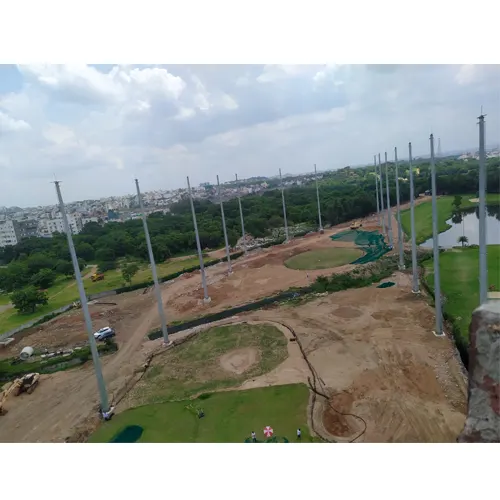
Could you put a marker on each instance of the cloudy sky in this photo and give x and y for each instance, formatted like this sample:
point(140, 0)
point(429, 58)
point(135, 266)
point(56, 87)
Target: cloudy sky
point(97, 127)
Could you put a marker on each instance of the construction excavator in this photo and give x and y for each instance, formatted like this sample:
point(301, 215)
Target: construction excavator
point(356, 225)
point(27, 383)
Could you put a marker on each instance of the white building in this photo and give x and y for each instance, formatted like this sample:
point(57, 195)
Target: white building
point(9, 233)
point(48, 227)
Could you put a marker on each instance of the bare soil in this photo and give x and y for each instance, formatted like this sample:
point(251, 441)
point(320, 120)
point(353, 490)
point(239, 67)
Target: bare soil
point(384, 365)
point(261, 274)
point(239, 360)
point(374, 344)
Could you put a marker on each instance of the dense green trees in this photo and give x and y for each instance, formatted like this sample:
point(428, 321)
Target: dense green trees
point(345, 195)
point(27, 299)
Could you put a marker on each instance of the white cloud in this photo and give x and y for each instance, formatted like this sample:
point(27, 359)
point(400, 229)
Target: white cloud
point(8, 124)
point(466, 74)
point(162, 123)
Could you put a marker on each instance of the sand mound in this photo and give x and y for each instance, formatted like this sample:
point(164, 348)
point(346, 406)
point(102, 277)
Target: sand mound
point(347, 312)
point(239, 360)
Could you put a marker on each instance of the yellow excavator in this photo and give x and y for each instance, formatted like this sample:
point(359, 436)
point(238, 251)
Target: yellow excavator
point(356, 225)
point(27, 383)
point(97, 277)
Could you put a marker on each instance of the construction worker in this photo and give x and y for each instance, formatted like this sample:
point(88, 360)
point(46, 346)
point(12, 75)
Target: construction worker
point(254, 437)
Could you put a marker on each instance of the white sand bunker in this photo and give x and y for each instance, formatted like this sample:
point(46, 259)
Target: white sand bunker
point(239, 361)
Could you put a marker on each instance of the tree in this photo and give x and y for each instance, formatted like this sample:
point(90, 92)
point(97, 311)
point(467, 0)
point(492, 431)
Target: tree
point(105, 254)
point(27, 299)
point(463, 239)
point(85, 251)
point(129, 271)
point(64, 267)
point(457, 201)
point(43, 279)
point(102, 267)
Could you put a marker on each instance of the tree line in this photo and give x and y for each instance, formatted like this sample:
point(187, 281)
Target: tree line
point(345, 194)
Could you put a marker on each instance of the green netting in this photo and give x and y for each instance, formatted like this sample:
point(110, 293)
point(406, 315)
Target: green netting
point(387, 284)
point(130, 434)
point(371, 242)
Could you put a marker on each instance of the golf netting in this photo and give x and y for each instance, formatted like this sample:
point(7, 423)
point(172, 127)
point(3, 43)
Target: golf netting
point(371, 242)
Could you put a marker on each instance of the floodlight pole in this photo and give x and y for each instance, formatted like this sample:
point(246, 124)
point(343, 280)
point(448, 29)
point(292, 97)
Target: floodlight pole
point(241, 217)
point(206, 297)
point(483, 262)
point(284, 209)
point(376, 188)
point(389, 214)
point(317, 196)
point(381, 194)
point(435, 239)
point(229, 269)
point(415, 288)
point(159, 301)
point(101, 386)
point(398, 215)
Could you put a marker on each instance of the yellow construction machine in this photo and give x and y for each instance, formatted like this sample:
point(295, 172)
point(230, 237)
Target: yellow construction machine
point(97, 277)
point(356, 225)
point(27, 383)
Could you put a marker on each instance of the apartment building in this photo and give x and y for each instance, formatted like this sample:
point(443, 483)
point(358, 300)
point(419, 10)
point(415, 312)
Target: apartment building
point(28, 228)
point(47, 227)
point(9, 233)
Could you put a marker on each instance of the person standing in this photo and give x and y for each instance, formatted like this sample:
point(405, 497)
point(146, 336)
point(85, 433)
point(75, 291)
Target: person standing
point(299, 433)
point(254, 437)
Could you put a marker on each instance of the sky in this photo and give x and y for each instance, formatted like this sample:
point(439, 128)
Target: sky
point(96, 128)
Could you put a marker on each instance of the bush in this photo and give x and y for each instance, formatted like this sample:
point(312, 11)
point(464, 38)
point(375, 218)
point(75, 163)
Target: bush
point(102, 267)
point(11, 368)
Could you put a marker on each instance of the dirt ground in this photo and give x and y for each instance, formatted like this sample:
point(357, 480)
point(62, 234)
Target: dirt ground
point(258, 275)
point(370, 350)
point(376, 356)
point(239, 360)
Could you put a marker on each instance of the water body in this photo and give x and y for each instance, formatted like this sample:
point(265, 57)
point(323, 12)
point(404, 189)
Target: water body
point(467, 224)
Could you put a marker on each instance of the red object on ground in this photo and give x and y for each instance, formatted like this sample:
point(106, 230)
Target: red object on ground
point(268, 431)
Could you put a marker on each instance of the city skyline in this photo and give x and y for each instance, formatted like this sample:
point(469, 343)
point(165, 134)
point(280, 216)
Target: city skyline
point(98, 127)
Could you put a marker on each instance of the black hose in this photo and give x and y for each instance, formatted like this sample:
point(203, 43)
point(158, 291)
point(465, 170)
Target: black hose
point(313, 387)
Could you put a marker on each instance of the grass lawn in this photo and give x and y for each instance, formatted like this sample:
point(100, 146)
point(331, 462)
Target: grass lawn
point(324, 258)
point(193, 367)
point(460, 281)
point(230, 417)
point(423, 215)
point(64, 291)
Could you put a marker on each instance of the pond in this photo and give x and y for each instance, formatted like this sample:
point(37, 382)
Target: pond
point(467, 224)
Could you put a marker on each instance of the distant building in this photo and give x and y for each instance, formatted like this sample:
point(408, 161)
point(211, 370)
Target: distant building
point(28, 228)
point(9, 233)
point(47, 227)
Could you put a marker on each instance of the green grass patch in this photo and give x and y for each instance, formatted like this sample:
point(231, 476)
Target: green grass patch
point(194, 367)
point(4, 299)
point(324, 258)
point(423, 214)
point(230, 417)
point(64, 291)
point(460, 282)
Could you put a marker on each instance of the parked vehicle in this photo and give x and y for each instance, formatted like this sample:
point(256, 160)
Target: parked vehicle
point(104, 333)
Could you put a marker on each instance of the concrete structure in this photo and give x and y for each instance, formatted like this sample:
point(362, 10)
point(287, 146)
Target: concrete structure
point(483, 414)
point(9, 233)
point(28, 228)
point(47, 227)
